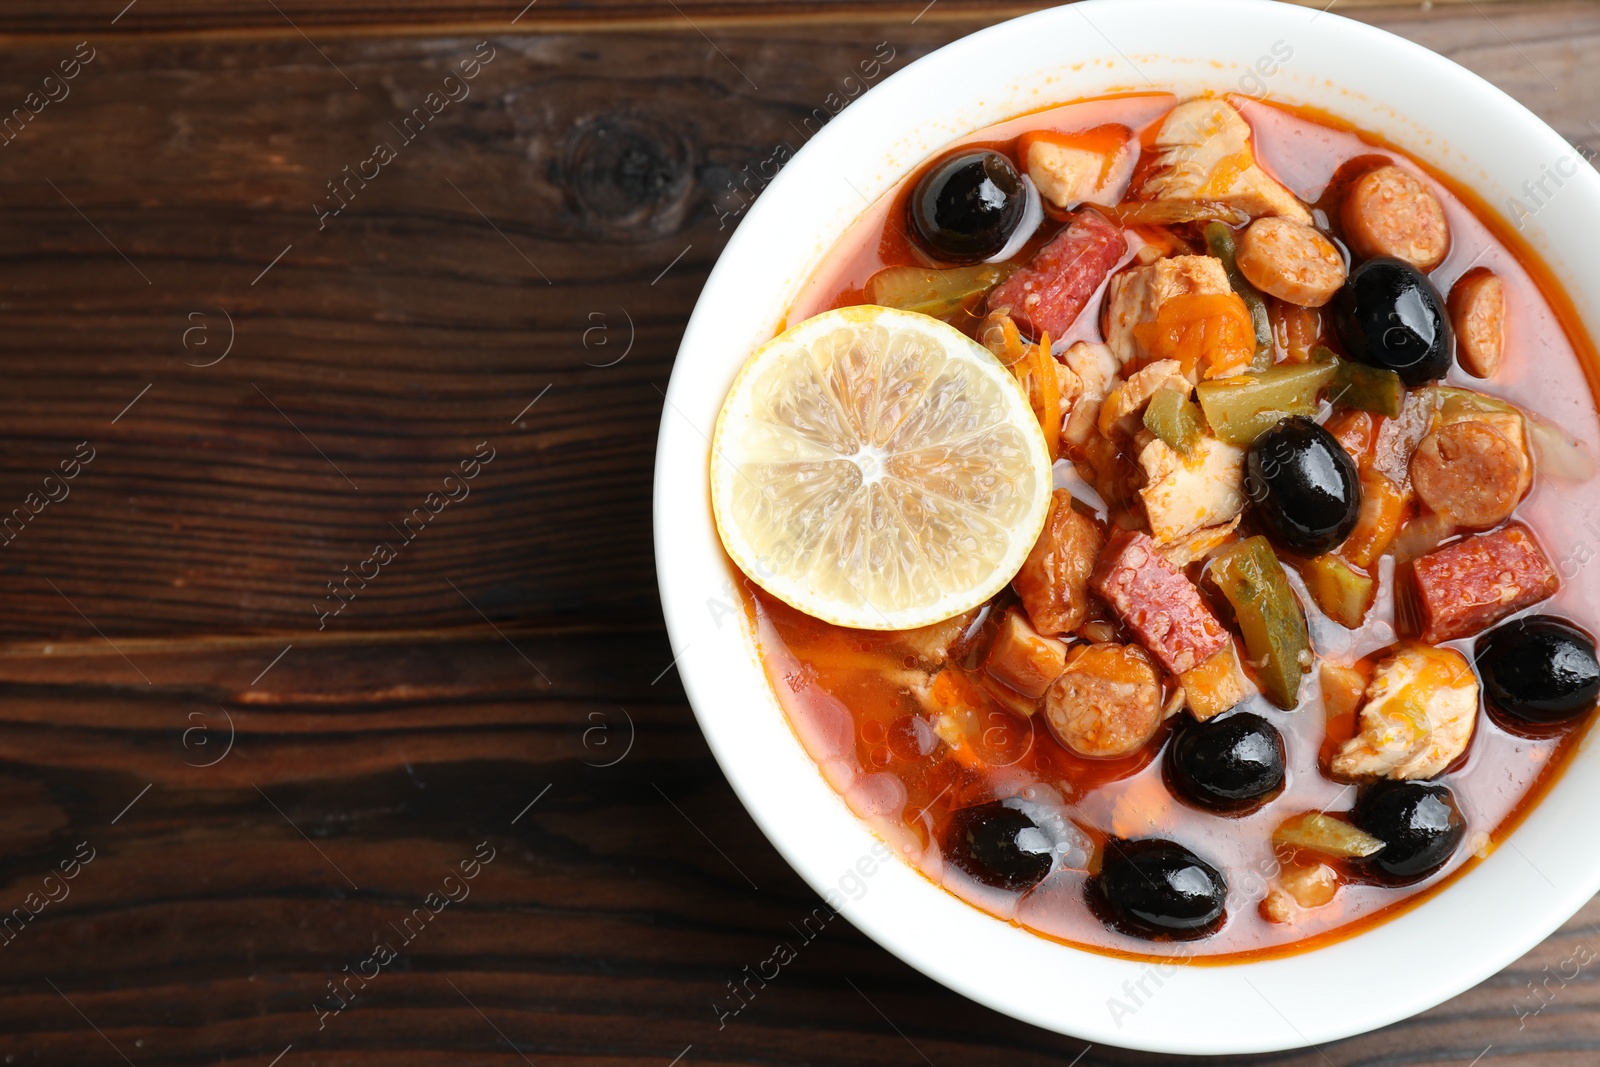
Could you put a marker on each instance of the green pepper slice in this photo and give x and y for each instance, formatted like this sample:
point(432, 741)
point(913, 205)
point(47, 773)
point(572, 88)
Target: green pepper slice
point(1249, 575)
point(1172, 416)
point(1356, 385)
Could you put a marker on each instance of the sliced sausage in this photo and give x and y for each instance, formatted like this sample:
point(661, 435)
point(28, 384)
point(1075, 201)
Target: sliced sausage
point(1049, 293)
point(1291, 261)
point(1107, 703)
point(1157, 602)
point(1472, 584)
point(1469, 471)
point(1478, 313)
point(1392, 212)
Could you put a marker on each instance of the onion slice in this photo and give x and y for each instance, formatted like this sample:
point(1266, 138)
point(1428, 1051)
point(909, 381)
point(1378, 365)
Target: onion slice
point(1559, 453)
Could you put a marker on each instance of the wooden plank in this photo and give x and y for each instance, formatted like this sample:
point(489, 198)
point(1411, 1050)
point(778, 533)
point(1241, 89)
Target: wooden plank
point(577, 196)
point(628, 888)
point(192, 18)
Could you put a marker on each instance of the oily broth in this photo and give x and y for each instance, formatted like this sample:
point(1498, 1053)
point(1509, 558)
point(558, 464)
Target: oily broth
point(844, 691)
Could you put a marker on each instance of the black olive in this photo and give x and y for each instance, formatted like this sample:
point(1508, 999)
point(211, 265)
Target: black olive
point(1304, 486)
point(1229, 765)
point(1389, 315)
point(1418, 823)
point(1539, 669)
point(1157, 889)
point(966, 207)
point(982, 841)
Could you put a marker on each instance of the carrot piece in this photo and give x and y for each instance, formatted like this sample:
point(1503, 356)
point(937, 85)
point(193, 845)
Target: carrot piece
point(1382, 505)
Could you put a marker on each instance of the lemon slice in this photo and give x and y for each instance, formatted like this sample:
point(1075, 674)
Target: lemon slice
point(876, 468)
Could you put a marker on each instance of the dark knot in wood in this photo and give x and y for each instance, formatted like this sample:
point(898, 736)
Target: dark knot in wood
point(628, 176)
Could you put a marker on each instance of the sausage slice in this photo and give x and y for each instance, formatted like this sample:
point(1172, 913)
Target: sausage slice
point(1478, 313)
point(1291, 261)
point(1107, 703)
point(1392, 212)
point(1469, 471)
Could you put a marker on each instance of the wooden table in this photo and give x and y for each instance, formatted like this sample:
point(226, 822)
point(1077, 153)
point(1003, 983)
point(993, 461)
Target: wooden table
point(273, 762)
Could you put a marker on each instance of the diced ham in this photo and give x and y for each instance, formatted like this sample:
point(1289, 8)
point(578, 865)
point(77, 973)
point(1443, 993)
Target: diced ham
point(1156, 602)
point(1054, 580)
point(1392, 212)
point(1049, 294)
point(1183, 494)
point(1107, 703)
point(1022, 658)
point(1467, 586)
point(1419, 716)
point(1203, 154)
point(1136, 296)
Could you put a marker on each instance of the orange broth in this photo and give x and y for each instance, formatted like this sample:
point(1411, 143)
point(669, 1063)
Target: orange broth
point(845, 691)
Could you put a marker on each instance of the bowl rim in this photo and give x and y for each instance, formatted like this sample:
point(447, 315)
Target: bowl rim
point(977, 955)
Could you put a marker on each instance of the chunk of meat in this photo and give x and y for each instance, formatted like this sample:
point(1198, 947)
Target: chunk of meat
point(1022, 658)
point(1090, 167)
point(1154, 600)
point(1053, 583)
point(1291, 261)
point(1199, 544)
point(1216, 685)
point(1049, 294)
point(1421, 707)
point(1478, 312)
point(1471, 473)
point(1183, 494)
point(1299, 887)
point(1469, 585)
point(1136, 298)
point(1096, 369)
point(1392, 212)
point(1130, 395)
point(1203, 153)
point(934, 645)
point(1107, 703)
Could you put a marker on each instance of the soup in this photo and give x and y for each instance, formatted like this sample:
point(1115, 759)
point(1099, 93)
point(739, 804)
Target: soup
point(1307, 627)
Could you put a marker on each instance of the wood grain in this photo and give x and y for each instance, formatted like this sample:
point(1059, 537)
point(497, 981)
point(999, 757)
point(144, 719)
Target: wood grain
point(563, 214)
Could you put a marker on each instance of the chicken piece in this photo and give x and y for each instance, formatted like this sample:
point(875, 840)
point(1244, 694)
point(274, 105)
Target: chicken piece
point(1203, 153)
point(1183, 494)
point(1129, 396)
point(1022, 659)
point(1107, 703)
point(1096, 369)
point(1069, 387)
point(1421, 708)
point(1200, 544)
point(1071, 170)
point(1215, 685)
point(1054, 580)
point(932, 646)
point(1135, 332)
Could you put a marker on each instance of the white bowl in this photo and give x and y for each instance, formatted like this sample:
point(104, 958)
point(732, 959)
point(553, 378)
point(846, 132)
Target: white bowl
point(1438, 111)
